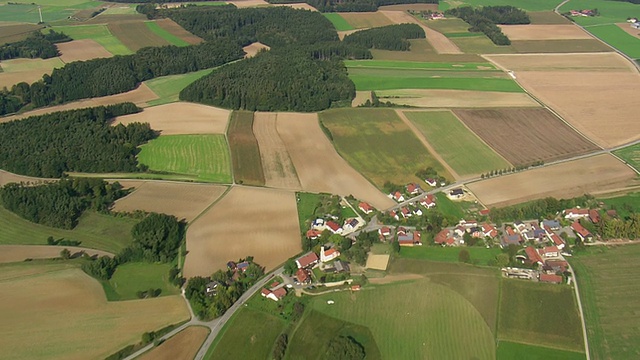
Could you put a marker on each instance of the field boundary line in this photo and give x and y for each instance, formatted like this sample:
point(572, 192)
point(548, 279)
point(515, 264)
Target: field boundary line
point(293, 166)
point(209, 206)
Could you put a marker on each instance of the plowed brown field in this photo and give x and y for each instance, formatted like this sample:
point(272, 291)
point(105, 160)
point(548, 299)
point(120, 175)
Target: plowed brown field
point(279, 171)
point(181, 118)
point(15, 253)
point(182, 346)
point(564, 180)
point(82, 50)
point(319, 167)
point(544, 32)
point(257, 222)
point(524, 136)
point(7, 177)
point(178, 31)
point(184, 200)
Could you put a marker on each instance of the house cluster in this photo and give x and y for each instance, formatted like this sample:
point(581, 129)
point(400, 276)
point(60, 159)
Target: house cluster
point(212, 287)
point(408, 237)
point(575, 215)
point(413, 209)
point(328, 261)
point(586, 12)
point(433, 15)
point(275, 292)
point(538, 233)
point(318, 226)
point(411, 190)
point(549, 261)
point(454, 236)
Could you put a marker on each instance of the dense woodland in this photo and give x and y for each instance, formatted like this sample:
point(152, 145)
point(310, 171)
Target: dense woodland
point(484, 19)
point(37, 45)
point(59, 204)
point(390, 37)
point(73, 141)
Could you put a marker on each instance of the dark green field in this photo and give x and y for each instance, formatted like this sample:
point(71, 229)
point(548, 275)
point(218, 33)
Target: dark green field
point(245, 154)
point(623, 205)
point(479, 255)
point(510, 350)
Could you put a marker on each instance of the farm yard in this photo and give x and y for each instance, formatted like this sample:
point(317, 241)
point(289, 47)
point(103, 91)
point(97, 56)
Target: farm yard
point(245, 153)
point(440, 99)
point(183, 200)
point(203, 157)
point(182, 346)
point(257, 222)
point(565, 180)
point(278, 168)
point(65, 312)
point(136, 35)
point(516, 134)
point(181, 118)
point(314, 156)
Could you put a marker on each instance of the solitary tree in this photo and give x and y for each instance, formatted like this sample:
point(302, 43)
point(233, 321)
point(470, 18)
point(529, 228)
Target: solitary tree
point(396, 246)
point(464, 256)
point(65, 254)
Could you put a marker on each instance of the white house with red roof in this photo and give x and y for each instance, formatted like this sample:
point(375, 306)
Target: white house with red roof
point(575, 213)
point(406, 213)
point(549, 251)
point(313, 234)
point(397, 196)
point(410, 239)
point(274, 295)
point(365, 208)
point(551, 278)
point(414, 189)
point(533, 255)
point(334, 227)
point(431, 182)
point(394, 215)
point(583, 233)
point(489, 230)
point(384, 231)
point(307, 260)
point(302, 276)
point(429, 201)
point(328, 255)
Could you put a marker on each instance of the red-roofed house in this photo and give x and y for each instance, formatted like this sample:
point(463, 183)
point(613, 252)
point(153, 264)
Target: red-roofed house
point(557, 241)
point(551, 278)
point(413, 189)
point(406, 213)
point(510, 231)
point(303, 276)
point(583, 233)
point(444, 238)
point(533, 255)
point(265, 292)
point(575, 213)
point(313, 234)
point(366, 208)
point(328, 255)
point(429, 201)
point(334, 227)
point(384, 231)
point(307, 260)
point(397, 196)
point(594, 216)
point(401, 231)
point(431, 182)
point(484, 212)
point(489, 230)
point(277, 294)
point(394, 215)
point(549, 251)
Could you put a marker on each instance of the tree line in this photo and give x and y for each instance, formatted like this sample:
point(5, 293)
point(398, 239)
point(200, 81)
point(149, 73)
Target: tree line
point(36, 45)
point(537, 209)
point(484, 19)
point(390, 37)
point(352, 5)
point(75, 140)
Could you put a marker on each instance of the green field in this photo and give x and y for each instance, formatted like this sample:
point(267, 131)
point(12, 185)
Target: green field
point(168, 87)
point(457, 145)
point(96, 231)
point(204, 157)
point(530, 5)
point(480, 45)
point(422, 51)
point(449, 207)
point(413, 65)
point(338, 22)
point(610, 11)
point(245, 154)
point(378, 144)
point(631, 155)
point(608, 279)
point(509, 350)
point(448, 26)
point(169, 37)
point(307, 203)
point(51, 10)
point(540, 314)
point(479, 255)
point(624, 205)
point(547, 18)
point(19, 65)
point(98, 33)
point(618, 38)
point(133, 277)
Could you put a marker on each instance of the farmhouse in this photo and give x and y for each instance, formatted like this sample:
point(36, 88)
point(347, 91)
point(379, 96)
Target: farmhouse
point(636, 25)
point(365, 208)
point(456, 193)
point(549, 251)
point(328, 255)
point(467, 223)
point(410, 239)
point(397, 196)
point(489, 230)
point(302, 277)
point(551, 278)
point(231, 265)
point(428, 201)
point(583, 233)
point(384, 231)
point(313, 234)
point(431, 182)
point(413, 189)
point(575, 213)
point(306, 261)
point(417, 212)
point(557, 241)
point(394, 215)
point(406, 213)
point(274, 295)
point(445, 237)
point(351, 224)
point(334, 227)
point(243, 266)
point(594, 216)
point(533, 255)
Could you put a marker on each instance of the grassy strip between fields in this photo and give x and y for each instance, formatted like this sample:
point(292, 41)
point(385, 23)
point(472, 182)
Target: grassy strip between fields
point(377, 81)
point(245, 154)
point(338, 22)
point(168, 88)
point(169, 37)
point(98, 33)
point(621, 40)
point(388, 64)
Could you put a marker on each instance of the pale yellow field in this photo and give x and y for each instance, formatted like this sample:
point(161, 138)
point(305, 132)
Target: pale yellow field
point(544, 32)
point(7, 177)
point(15, 253)
point(366, 19)
point(181, 118)
point(601, 62)
point(253, 49)
point(26, 70)
point(377, 262)
point(342, 34)
point(278, 169)
point(82, 50)
point(56, 311)
point(300, 6)
point(182, 346)
point(456, 98)
point(183, 200)
point(248, 221)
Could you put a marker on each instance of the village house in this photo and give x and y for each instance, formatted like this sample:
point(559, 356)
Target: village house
point(243, 266)
point(397, 196)
point(445, 237)
point(406, 213)
point(274, 295)
point(351, 224)
point(231, 265)
point(456, 193)
point(582, 233)
point(549, 251)
point(557, 241)
point(507, 240)
point(476, 232)
point(575, 213)
point(365, 208)
point(551, 224)
point(594, 216)
point(384, 231)
point(394, 215)
point(459, 230)
point(468, 223)
point(334, 227)
point(557, 265)
point(313, 234)
point(489, 230)
point(533, 256)
point(302, 277)
point(318, 224)
point(328, 255)
point(429, 201)
point(307, 261)
point(417, 212)
point(431, 182)
point(410, 239)
point(636, 25)
point(414, 189)
point(551, 278)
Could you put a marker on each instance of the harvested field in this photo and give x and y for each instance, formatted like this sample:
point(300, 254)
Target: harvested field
point(564, 180)
point(181, 118)
point(245, 153)
point(254, 48)
point(182, 346)
point(81, 50)
point(366, 20)
point(299, 6)
point(278, 169)
point(64, 311)
point(454, 98)
point(440, 43)
point(7, 177)
point(26, 70)
point(342, 34)
point(377, 262)
point(248, 3)
point(547, 18)
point(15, 253)
point(524, 136)
point(600, 62)
point(136, 35)
point(184, 200)
point(629, 30)
point(395, 278)
point(480, 44)
point(421, 50)
point(319, 167)
point(361, 98)
point(262, 223)
point(559, 46)
point(12, 32)
point(177, 30)
point(544, 32)
point(405, 7)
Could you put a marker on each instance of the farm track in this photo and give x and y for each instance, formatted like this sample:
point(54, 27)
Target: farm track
point(278, 168)
point(440, 43)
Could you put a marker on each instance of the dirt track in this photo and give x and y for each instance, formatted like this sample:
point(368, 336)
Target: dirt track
point(82, 50)
point(279, 171)
point(440, 43)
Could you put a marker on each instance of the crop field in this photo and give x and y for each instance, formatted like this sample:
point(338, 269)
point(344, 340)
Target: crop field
point(405, 7)
point(621, 40)
point(480, 45)
point(541, 5)
point(412, 65)
point(182, 346)
point(583, 89)
point(64, 311)
point(10, 32)
point(608, 280)
point(479, 255)
point(168, 88)
point(421, 50)
point(631, 155)
point(510, 350)
point(461, 149)
point(314, 156)
point(26, 70)
point(277, 166)
point(173, 28)
point(610, 11)
point(527, 309)
point(165, 34)
point(136, 35)
point(245, 153)
point(253, 49)
point(449, 26)
point(16, 253)
point(378, 144)
point(204, 157)
point(181, 118)
point(516, 134)
point(365, 20)
point(428, 320)
point(559, 46)
point(455, 98)
point(547, 18)
point(575, 178)
point(81, 50)
point(246, 222)
point(338, 22)
point(51, 10)
point(544, 32)
point(97, 231)
point(183, 200)
point(139, 276)
point(98, 33)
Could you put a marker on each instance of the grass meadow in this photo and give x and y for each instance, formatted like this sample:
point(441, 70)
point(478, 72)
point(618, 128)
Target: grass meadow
point(245, 154)
point(479, 255)
point(338, 22)
point(379, 145)
point(624, 205)
point(204, 157)
point(96, 231)
point(510, 350)
point(133, 277)
point(307, 203)
point(457, 145)
point(449, 207)
point(168, 88)
point(52, 10)
point(98, 33)
point(613, 35)
point(608, 279)
point(631, 155)
point(169, 37)
point(541, 314)
point(610, 11)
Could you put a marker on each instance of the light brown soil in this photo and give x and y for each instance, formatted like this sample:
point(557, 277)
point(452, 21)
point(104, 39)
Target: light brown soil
point(7, 177)
point(15, 253)
point(366, 19)
point(524, 136)
point(182, 346)
point(178, 31)
point(82, 50)
point(26, 70)
point(342, 34)
point(361, 98)
point(544, 32)
point(377, 262)
point(629, 30)
point(138, 96)
point(440, 43)
point(319, 167)
point(135, 34)
point(395, 278)
point(248, 3)
point(564, 180)
point(257, 222)
point(184, 200)
point(279, 171)
point(300, 6)
point(181, 118)
point(252, 50)
point(601, 62)
point(456, 98)
point(405, 7)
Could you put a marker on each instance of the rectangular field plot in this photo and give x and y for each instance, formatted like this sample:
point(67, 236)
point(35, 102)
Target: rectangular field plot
point(524, 136)
point(136, 35)
point(630, 155)
point(245, 153)
point(559, 46)
point(459, 147)
point(621, 40)
point(166, 35)
point(378, 144)
point(608, 279)
point(98, 33)
point(547, 18)
point(204, 157)
point(421, 50)
point(540, 5)
point(510, 350)
point(544, 314)
point(448, 26)
point(278, 168)
point(365, 20)
point(480, 45)
point(446, 99)
point(413, 65)
point(168, 88)
point(338, 22)
point(544, 32)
